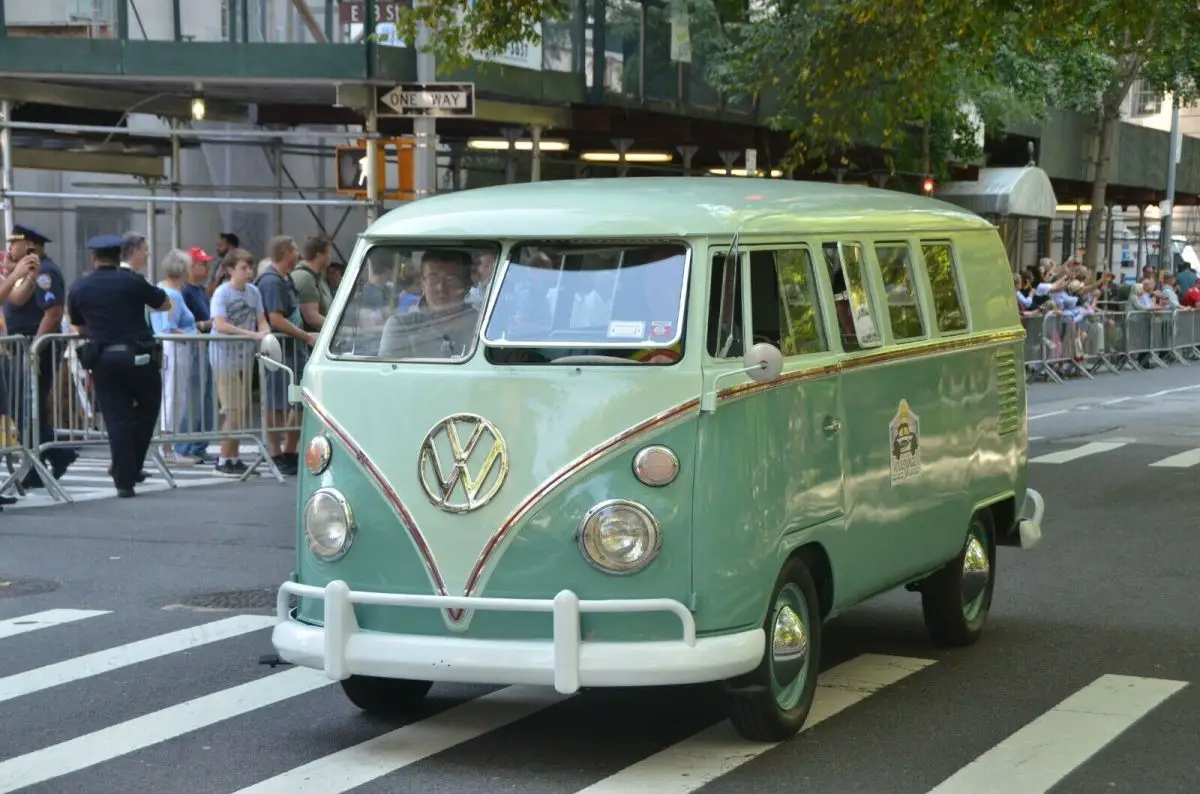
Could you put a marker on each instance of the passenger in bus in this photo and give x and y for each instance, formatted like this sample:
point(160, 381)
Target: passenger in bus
point(443, 325)
point(377, 291)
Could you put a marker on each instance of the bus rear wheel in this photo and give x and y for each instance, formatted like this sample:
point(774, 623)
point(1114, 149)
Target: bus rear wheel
point(385, 697)
point(957, 598)
point(772, 703)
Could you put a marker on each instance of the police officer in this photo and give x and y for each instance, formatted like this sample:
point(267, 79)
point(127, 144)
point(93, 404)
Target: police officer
point(107, 307)
point(34, 314)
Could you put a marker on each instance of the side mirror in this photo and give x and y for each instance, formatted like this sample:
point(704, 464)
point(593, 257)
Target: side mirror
point(270, 352)
point(763, 362)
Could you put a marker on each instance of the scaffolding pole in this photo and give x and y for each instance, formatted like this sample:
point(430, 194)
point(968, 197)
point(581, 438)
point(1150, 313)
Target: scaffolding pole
point(176, 179)
point(183, 132)
point(6, 167)
point(190, 199)
point(425, 162)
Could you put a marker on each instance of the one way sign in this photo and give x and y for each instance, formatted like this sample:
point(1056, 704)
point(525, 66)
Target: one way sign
point(429, 99)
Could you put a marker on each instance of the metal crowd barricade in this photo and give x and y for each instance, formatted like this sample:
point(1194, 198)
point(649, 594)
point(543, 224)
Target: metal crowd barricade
point(194, 410)
point(18, 444)
point(209, 396)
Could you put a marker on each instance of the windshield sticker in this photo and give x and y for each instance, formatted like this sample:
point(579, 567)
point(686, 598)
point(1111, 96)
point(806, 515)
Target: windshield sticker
point(661, 329)
point(905, 436)
point(626, 329)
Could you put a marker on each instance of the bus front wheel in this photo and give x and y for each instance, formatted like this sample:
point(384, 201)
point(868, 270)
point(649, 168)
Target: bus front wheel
point(385, 696)
point(772, 703)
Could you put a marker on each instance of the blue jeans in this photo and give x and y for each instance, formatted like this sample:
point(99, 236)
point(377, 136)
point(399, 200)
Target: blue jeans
point(199, 415)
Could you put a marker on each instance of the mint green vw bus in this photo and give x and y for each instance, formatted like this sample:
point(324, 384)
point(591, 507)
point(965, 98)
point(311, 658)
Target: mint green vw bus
point(642, 432)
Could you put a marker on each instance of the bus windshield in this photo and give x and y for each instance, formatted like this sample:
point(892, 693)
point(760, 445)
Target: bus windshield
point(416, 302)
point(614, 303)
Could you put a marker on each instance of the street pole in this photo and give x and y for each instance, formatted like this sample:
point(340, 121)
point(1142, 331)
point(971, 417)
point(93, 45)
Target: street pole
point(6, 168)
point(1167, 248)
point(425, 127)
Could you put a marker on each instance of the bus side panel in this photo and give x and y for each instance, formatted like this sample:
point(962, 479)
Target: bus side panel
point(1002, 457)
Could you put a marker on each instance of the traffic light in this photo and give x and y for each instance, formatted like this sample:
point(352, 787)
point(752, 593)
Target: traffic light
point(350, 169)
point(927, 186)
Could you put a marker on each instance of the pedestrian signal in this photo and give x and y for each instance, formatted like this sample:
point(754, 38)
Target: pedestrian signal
point(927, 186)
point(393, 169)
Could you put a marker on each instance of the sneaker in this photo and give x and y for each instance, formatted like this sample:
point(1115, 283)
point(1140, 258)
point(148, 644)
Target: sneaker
point(286, 468)
point(230, 468)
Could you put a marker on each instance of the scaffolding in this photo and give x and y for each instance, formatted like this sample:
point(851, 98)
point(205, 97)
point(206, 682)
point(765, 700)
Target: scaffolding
point(170, 190)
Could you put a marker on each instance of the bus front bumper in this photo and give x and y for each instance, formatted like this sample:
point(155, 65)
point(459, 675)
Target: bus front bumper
point(341, 648)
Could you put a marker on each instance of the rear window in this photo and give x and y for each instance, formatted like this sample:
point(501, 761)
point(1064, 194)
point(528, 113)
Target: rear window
point(584, 302)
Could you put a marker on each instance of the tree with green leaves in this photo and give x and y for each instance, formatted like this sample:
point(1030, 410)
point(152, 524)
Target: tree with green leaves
point(915, 78)
point(1095, 53)
point(459, 28)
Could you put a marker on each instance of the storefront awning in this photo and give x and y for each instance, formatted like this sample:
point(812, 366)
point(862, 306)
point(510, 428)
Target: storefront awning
point(1005, 192)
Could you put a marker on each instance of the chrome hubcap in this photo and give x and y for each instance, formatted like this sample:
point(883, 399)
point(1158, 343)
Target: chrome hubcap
point(976, 570)
point(789, 645)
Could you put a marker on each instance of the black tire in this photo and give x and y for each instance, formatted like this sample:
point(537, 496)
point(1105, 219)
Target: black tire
point(753, 700)
point(955, 607)
point(385, 697)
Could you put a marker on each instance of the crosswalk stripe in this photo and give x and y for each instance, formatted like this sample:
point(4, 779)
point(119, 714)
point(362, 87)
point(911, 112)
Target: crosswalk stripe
point(706, 756)
point(1068, 455)
point(106, 661)
point(1182, 460)
point(43, 620)
point(127, 737)
point(1045, 751)
point(362, 763)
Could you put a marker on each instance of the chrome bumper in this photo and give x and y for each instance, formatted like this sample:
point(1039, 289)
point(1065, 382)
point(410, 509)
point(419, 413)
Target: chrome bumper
point(341, 648)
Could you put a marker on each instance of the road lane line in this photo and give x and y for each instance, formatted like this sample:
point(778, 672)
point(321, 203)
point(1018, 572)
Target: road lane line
point(106, 661)
point(1068, 455)
point(44, 620)
point(716, 751)
point(362, 763)
point(127, 737)
point(1117, 401)
point(1037, 438)
point(1170, 391)
point(1182, 460)
point(1045, 751)
point(1043, 416)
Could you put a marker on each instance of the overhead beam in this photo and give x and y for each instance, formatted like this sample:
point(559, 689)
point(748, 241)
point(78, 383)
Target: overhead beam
point(97, 98)
point(90, 162)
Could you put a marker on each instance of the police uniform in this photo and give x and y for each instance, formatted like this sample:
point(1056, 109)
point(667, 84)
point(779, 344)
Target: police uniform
point(49, 293)
point(108, 306)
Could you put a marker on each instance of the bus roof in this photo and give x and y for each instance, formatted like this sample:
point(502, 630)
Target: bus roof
point(668, 207)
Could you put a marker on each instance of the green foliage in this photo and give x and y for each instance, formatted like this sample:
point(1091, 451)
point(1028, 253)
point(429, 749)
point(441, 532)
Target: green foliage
point(901, 76)
point(482, 26)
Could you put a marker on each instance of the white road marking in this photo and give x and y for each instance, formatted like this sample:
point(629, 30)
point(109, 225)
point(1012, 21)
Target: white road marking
point(1045, 751)
point(1182, 460)
point(362, 763)
point(44, 620)
point(1043, 416)
point(1165, 392)
point(106, 661)
point(1117, 401)
point(127, 737)
point(1037, 438)
point(1068, 455)
point(716, 751)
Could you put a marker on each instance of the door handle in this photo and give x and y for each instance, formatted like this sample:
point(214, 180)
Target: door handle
point(832, 425)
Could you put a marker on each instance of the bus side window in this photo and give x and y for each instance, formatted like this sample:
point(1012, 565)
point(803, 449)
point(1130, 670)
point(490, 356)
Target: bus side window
point(724, 332)
point(784, 308)
point(904, 312)
point(943, 282)
point(851, 299)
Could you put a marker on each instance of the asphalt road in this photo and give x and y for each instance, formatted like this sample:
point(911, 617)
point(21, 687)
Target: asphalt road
point(1103, 612)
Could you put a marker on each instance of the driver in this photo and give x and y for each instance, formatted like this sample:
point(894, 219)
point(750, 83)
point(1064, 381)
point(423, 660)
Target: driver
point(442, 325)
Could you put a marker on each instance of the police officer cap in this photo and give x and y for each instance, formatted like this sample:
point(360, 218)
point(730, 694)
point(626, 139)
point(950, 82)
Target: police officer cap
point(105, 242)
point(20, 232)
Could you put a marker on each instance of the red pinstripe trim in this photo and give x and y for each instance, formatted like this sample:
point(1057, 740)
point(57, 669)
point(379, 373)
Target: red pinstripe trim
point(392, 497)
point(521, 511)
point(558, 477)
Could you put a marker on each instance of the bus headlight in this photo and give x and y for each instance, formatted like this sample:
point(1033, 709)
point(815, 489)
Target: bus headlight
point(619, 537)
point(328, 524)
